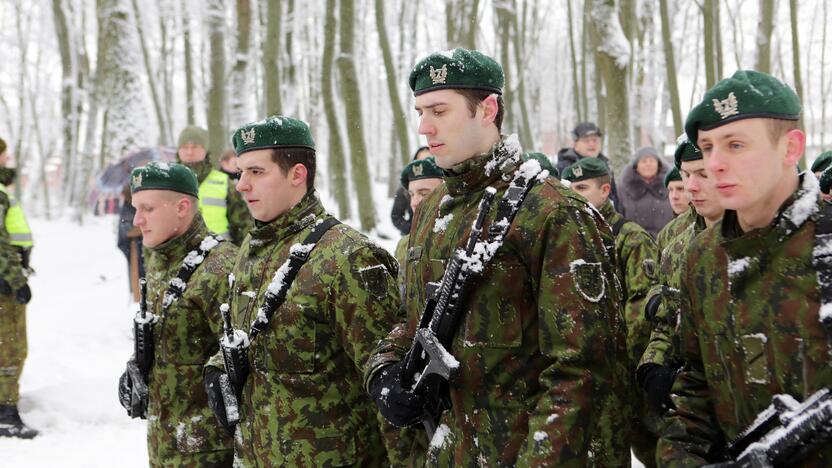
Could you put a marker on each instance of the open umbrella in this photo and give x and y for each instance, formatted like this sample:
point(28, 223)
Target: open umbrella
point(110, 184)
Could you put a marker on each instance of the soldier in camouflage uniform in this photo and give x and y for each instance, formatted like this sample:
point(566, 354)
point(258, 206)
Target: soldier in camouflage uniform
point(225, 211)
point(15, 247)
point(419, 178)
point(303, 403)
point(750, 301)
point(541, 346)
point(636, 257)
point(181, 429)
point(676, 192)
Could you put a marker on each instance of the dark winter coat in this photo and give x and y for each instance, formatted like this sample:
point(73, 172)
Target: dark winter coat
point(645, 203)
point(401, 214)
point(568, 156)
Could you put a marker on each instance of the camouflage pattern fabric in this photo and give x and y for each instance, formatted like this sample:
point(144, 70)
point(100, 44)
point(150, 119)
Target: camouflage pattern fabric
point(13, 348)
point(240, 222)
point(181, 428)
point(637, 258)
point(303, 403)
point(749, 330)
point(11, 270)
point(675, 227)
point(542, 345)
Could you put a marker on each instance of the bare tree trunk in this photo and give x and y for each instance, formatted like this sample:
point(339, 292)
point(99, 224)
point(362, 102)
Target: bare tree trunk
point(798, 82)
point(670, 66)
point(189, 66)
point(718, 39)
point(352, 106)
point(613, 59)
point(337, 161)
point(708, 31)
point(161, 118)
point(215, 17)
point(271, 48)
point(764, 28)
point(69, 94)
point(823, 87)
point(525, 127)
point(576, 91)
point(239, 71)
point(461, 23)
point(399, 119)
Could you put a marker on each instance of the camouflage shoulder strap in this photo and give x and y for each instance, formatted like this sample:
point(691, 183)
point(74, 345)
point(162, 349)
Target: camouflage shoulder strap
point(285, 276)
point(177, 285)
point(822, 262)
point(616, 227)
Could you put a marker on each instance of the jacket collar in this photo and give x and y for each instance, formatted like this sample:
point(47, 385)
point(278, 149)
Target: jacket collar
point(474, 174)
point(299, 217)
point(173, 250)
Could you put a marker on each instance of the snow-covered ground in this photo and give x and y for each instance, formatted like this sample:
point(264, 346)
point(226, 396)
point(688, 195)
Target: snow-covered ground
point(79, 324)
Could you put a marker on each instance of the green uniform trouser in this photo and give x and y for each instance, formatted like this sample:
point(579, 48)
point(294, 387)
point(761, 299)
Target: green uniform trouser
point(13, 348)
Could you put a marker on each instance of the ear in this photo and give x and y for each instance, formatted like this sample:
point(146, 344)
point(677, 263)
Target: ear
point(795, 145)
point(183, 207)
point(606, 189)
point(297, 175)
point(490, 107)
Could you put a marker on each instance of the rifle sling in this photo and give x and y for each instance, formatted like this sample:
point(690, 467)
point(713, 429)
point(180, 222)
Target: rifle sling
point(273, 301)
point(177, 286)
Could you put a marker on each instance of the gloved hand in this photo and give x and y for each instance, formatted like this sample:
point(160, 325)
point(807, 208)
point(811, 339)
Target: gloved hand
point(652, 307)
point(657, 381)
point(211, 383)
point(5, 288)
point(399, 406)
point(23, 295)
point(125, 389)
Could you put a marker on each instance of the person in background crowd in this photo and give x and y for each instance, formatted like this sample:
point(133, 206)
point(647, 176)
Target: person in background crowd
point(676, 192)
point(15, 249)
point(643, 194)
point(821, 163)
point(402, 213)
point(420, 177)
point(228, 164)
point(587, 142)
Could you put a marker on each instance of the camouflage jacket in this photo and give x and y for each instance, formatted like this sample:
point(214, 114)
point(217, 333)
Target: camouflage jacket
point(240, 221)
point(749, 329)
point(663, 346)
point(186, 336)
point(675, 227)
point(11, 269)
point(303, 403)
point(542, 343)
point(636, 255)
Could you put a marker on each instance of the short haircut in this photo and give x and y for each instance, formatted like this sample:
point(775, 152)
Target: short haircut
point(228, 154)
point(421, 148)
point(474, 97)
point(604, 179)
point(779, 127)
point(286, 158)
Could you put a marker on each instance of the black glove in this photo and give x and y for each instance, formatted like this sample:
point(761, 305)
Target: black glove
point(652, 307)
point(24, 257)
point(23, 295)
point(125, 390)
point(5, 288)
point(211, 383)
point(657, 381)
point(399, 406)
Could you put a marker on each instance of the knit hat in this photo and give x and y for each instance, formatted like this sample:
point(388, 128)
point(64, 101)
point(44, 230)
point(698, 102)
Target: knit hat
point(585, 129)
point(193, 134)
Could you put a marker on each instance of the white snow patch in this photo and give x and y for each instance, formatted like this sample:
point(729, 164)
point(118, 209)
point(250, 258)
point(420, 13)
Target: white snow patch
point(445, 199)
point(551, 418)
point(736, 267)
point(540, 436)
point(250, 294)
point(442, 223)
point(825, 312)
point(806, 203)
point(238, 338)
point(439, 439)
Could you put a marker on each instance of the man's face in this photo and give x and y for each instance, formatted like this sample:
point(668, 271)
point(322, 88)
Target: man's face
point(267, 190)
point(700, 188)
point(191, 153)
point(419, 189)
point(453, 134)
point(595, 192)
point(158, 215)
point(588, 146)
point(229, 165)
point(747, 167)
point(677, 196)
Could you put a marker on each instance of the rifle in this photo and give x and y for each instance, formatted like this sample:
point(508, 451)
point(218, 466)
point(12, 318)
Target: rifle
point(138, 391)
point(428, 365)
point(784, 433)
point(138, 369)
point(234, 345)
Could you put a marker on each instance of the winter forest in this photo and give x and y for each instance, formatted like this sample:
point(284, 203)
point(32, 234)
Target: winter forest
point(86, 81)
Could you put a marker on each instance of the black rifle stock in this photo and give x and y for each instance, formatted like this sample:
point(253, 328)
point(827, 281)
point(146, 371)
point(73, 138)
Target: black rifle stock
point(143, 334)
point(429, 365)
point(784, 433)
point(234, 346)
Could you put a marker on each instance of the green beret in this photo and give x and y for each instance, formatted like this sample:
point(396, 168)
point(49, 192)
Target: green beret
point(685, 151)
point(421, 169)
point(160, 175)
point(276, 131)
point(586, 168)
point(193, 134)
point(457, 69)
point(822, 161)
point(826, 180)
point(745, 95)
point(545, 162)
point(672, 175)
point(2, 146)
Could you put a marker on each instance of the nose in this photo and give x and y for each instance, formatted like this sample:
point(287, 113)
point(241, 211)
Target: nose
point(414, 202)
point(714, 160)
point(425, 127)
point(137, 219)
point(242, 184)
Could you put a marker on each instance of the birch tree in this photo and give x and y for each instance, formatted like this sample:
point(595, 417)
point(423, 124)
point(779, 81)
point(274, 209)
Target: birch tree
point(217, 132)
point(337, 162)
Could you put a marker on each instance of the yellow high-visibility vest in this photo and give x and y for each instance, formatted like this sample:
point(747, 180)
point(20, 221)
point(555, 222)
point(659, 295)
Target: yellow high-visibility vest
point(212, 202)
point(15, 222)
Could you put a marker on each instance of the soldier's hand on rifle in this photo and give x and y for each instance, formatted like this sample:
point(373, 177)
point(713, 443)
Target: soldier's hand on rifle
point(657, 381)
point(399, 406)
point(23, 295)
point(652, 307)
point(211, 382)
point(125, 389)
